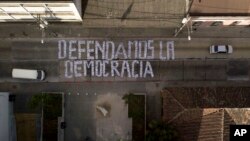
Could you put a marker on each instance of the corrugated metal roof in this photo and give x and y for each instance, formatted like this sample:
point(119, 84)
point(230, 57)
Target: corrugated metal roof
point(30, 11)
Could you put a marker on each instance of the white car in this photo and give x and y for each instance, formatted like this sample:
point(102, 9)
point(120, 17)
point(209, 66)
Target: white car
point(28, 74)
point(221, 49)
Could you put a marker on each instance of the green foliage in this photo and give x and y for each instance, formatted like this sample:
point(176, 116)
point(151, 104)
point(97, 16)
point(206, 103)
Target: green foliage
point(126, 97)
point(136, 110)
point(161, 131)
point(135, 105)
point(51, 103)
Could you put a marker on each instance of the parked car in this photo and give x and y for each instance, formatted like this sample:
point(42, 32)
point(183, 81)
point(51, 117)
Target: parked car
point(221, 49)
point(28, 74)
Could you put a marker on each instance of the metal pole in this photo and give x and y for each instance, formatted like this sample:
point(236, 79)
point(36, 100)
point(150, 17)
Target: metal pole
point(180, 29)
point(188, 7)
point(184, 24)
point(189, 37)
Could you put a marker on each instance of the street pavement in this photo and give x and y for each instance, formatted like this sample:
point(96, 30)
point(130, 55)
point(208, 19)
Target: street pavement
point(192, 61)
point(195, 70)
point(17, 31)
point(197, 48)
point(129, 13)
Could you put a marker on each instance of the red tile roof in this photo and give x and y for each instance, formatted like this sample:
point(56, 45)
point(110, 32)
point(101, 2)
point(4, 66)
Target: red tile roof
point(204, 114)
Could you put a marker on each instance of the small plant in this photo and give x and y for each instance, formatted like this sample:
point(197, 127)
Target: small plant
point(51, 104)
point(126, 97)
point(135, 105)
point(161, 131)
point(136, 111)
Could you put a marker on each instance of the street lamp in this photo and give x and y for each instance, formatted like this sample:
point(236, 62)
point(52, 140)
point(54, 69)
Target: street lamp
point(189, 37)
point(184, 22)
point(42, 25)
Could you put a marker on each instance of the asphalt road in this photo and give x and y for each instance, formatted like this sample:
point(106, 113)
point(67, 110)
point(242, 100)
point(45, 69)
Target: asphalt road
point(192, 61)
point(196, 48)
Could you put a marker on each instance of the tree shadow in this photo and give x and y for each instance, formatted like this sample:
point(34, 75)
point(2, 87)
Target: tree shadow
point(84, 6)
point(127, 12)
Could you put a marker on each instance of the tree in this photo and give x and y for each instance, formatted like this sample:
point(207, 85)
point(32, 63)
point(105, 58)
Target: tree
point(51, 104)
point(135, 105)
point(160, 131)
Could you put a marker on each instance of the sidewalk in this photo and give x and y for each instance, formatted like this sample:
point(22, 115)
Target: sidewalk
point(130, 13)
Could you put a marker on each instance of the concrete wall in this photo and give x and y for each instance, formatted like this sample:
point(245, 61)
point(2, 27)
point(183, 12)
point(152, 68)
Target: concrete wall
point(4, 117)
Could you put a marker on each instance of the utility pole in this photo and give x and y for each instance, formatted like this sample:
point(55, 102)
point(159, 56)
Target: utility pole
point(184, 23)
point(185, 20)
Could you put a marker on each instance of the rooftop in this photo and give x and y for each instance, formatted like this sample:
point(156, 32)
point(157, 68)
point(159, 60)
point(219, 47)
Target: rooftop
point(220, 8)
point(26, 11)
point(198, 112)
